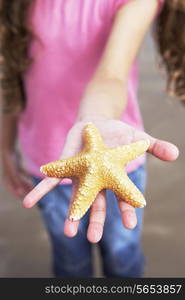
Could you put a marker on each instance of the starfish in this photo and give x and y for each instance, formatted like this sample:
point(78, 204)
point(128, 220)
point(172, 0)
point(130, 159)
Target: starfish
point(97, 168)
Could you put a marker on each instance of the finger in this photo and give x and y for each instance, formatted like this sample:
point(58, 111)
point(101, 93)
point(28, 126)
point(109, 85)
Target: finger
point(161, 149)
point(41, 189)
point(71, 228)
point(128, 214)
point(73, 142)
point(97, 218)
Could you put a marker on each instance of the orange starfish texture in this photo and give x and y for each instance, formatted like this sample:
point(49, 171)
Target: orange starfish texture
point(97, 168)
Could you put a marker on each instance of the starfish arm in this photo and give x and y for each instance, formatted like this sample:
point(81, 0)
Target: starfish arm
point(127, 153)
point(84, 196)
point(126, 190)
point(62, 168)
point(92, 138)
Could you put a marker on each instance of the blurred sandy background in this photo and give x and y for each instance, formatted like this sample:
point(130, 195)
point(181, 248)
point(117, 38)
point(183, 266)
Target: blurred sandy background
point(24, 246)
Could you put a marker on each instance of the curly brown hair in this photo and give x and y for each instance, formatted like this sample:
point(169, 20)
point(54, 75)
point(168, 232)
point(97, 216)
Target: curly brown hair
point(169, 31)
point(15, 37)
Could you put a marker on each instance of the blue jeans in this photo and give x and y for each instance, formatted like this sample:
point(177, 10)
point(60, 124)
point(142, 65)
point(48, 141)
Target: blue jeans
point(120, 248)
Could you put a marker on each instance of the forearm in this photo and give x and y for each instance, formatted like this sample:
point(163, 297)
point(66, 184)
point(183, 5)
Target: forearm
point(104, 98)
point(8, 132)
point(106, 94)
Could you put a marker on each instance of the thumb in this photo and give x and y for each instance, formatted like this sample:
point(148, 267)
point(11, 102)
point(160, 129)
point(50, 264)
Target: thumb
point(163, 150)
point(73, 142)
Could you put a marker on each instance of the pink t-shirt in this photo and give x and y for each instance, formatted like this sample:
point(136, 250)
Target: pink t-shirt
point(69, 40)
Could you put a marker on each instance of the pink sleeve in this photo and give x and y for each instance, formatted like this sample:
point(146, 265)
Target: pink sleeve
point(118, 3)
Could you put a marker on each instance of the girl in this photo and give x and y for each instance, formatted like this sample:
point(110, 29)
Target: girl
point(65, 63)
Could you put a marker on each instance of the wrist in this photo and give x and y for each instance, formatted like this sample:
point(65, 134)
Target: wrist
point(92, 117)
point(103, 100)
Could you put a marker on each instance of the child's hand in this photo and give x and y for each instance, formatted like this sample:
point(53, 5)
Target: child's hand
point(114, 133)
point(15, 178)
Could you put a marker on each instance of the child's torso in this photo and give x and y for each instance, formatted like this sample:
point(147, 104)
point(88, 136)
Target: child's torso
point(70, 36)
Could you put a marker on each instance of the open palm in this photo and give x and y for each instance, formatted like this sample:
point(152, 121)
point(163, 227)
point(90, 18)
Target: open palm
point(114, 133)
